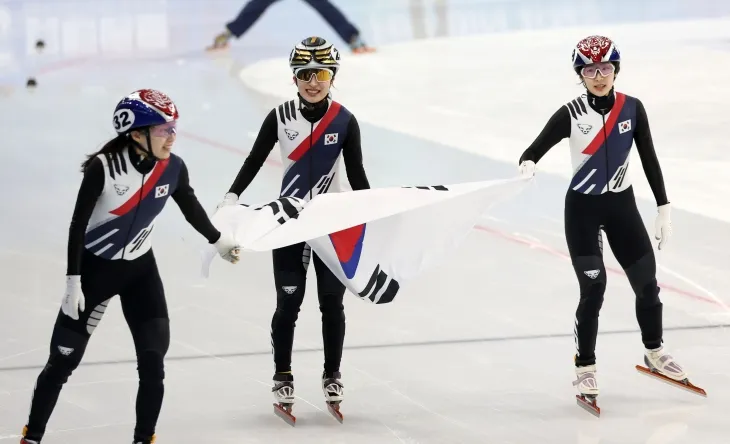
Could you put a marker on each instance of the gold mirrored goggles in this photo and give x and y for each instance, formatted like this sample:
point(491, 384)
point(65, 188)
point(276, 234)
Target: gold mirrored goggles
point(321, 74)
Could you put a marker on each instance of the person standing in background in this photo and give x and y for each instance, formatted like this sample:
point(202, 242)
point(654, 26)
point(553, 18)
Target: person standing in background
point(418, 18)
point(253, 10)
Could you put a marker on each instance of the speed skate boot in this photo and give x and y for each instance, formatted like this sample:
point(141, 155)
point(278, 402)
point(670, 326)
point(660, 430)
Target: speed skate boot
point(25, 440)
point(358, 46)
point(145, 441)
point(333, 393)
point(587, 388)
point(658, 360)
point(220, 41)
point(284, 395)
point(662, 366)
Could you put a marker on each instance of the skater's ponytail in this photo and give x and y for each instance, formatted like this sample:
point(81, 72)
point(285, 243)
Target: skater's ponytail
point(115, 145)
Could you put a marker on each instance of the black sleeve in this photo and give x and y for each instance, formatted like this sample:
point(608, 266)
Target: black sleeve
point(91, 187)
point(352, 155)
point(263, 145)
point(556, 129)
point(194, 213)
point(645, 147)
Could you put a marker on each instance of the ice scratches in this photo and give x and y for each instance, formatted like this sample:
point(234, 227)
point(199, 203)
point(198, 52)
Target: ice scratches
point(225, 357)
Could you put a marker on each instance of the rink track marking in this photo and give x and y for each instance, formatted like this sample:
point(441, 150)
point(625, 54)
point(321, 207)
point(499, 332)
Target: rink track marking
point(506, 236)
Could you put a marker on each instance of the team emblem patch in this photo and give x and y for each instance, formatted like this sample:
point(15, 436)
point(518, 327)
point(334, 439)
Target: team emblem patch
point(585, 128)
point(291, 134)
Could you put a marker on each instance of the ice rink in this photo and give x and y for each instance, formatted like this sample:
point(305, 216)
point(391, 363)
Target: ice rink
point(479, 350)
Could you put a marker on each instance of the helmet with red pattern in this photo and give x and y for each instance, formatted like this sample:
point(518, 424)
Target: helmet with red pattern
point(143, 108)
point(595, 49)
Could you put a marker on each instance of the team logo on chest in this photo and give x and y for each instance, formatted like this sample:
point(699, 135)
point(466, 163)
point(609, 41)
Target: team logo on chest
point(120, 189)
point(162, 190)
point(624, 126)
point(291, 134)
point(330, 139)
point(585, 128)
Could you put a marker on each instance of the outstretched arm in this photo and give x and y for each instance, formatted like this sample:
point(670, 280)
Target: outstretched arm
point(555, 130)
point(194, 213)
point(263, 145)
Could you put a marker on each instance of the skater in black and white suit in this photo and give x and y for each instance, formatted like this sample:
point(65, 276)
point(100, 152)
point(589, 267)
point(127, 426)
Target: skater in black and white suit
point(125, 186)
point(314, 133)
point(602, 125)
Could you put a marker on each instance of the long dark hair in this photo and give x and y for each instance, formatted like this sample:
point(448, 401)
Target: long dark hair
point(115, 145)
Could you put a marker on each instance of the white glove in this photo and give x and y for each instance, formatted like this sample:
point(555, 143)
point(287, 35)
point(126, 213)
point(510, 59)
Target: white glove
point(663, 225)
point(73, 300)
point(228, 199)
point(527, 168)
point(228, 248)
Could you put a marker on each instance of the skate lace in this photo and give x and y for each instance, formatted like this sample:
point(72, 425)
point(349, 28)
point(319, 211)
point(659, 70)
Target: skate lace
point(588, 376)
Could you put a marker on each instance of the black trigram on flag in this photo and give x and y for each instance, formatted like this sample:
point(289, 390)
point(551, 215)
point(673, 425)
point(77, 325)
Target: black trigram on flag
point(432, 187)
point(285, 208)
point(375, 285)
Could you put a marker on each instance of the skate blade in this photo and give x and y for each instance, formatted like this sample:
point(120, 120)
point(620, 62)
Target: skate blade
point(284, 412)
point(683, 385)
point(334, 409)
point(589, 405)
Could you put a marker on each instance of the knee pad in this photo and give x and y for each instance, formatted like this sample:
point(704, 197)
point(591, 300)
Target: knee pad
point(332, 314)
point(331, 306)
point(289, 292)
point(591, 273)
point(152, 340)
point(150, 366)
point(642, 277)
point(289, 283)
point(590, 305)
point(67, 350)
point(592, 280)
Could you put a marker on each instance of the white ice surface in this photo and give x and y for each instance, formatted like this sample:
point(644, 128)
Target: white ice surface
point(478, 351)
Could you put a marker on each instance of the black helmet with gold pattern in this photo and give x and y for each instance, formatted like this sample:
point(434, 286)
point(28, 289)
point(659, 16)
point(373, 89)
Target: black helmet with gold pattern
point(314, 52)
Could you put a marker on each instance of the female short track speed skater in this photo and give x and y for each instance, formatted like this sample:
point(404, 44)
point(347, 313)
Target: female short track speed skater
point(602, 126)
point(313, 132)
point(125, 186)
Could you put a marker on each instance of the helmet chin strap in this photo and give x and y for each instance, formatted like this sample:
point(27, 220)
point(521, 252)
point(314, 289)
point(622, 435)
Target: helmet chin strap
point(147, 151)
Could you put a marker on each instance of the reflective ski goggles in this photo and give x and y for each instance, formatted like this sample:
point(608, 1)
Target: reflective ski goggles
point(322, 74)
point(164, 130)
point(590, 71)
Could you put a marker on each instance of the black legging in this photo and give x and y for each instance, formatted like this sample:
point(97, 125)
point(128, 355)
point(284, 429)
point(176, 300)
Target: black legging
point(254, 9)
point(138, 284)
point(290, 277)
point(616, 214)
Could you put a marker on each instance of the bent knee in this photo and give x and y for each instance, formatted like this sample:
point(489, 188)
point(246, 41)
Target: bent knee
point(642, 277)
point(152, 340)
